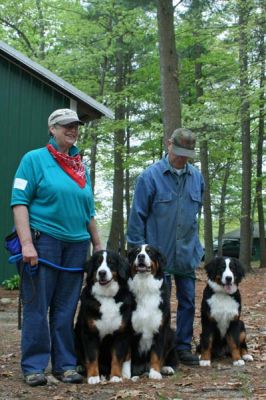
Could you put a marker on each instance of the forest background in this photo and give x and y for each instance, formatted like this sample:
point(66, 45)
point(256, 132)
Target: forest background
point(122, 52)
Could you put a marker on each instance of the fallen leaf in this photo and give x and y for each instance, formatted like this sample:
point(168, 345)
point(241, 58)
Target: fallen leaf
point(124, 394)
point(6, 373)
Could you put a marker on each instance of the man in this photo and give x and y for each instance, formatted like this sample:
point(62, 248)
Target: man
point(167, 200)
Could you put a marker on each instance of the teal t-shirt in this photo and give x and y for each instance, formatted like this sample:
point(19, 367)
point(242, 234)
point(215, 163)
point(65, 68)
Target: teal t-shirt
point(57, 205)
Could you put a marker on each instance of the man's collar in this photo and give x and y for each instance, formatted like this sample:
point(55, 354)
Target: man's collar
point(168, 166)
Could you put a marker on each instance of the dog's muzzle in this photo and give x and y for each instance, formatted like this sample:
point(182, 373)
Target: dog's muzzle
point(103, 279)
point(142, 267)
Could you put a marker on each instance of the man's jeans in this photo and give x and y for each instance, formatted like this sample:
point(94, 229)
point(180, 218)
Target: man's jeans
point(50, 299)
point(185, 294)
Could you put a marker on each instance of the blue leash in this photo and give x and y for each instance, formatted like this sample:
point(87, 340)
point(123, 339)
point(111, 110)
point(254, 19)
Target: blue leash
point(18, 257)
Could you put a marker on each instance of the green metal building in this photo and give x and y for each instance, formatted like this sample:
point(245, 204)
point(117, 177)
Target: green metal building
point(28, 94)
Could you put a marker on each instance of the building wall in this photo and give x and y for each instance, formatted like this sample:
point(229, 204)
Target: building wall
point(25, 104)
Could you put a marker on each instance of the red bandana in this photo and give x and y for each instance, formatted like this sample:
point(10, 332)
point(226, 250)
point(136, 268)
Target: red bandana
point(71, 165)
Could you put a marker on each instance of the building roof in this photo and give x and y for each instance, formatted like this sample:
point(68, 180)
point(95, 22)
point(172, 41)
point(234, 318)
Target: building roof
point(88, 108)
point(235, 234)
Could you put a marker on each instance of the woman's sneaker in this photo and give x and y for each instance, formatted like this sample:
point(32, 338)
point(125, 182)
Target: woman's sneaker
point(35, 379)
point(69, 376)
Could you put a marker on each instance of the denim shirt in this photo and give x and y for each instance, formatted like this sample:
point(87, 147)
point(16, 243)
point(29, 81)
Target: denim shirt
point(164, 214)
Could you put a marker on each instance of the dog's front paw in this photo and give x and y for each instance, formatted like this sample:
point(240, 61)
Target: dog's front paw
point(239, 363)
point(167, 370)
point(126, 369)
point(92, 380)
point(135, 378)
point(154, 374)
point(205, 363)
point(247, 357)
point(116, 379)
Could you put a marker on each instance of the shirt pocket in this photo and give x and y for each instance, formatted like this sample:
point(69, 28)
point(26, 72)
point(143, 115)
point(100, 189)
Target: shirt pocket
point(162, 204)
point(195, 197)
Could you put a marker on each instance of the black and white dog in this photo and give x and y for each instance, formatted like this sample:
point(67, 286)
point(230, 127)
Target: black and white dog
point(153, 343)
point(102, 331)
point(223, 331)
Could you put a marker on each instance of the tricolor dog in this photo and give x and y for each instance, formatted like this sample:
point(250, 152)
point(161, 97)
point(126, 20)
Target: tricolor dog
point(223, 331)
point(102, 330)
point(153, 343)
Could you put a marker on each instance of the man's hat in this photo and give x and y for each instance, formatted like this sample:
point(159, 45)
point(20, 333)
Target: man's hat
point(63, 116)
point(184, 142)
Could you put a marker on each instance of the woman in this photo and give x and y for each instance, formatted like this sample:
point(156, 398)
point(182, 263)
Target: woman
point(53, 210)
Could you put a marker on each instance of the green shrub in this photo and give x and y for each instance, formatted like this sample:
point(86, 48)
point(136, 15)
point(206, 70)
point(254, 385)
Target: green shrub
point(12, 283)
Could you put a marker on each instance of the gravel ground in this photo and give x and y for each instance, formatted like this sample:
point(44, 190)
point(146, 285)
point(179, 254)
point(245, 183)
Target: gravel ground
point(221, 381)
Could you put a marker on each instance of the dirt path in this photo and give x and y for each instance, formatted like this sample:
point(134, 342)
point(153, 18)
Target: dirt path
point(221, 381)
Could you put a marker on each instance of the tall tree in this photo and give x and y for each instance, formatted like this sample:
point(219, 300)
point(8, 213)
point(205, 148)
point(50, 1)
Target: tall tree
point(221, 214)
point(259, 187)
point(116, 240)
point(168, 66)
point(245, 221)
point(197, 8)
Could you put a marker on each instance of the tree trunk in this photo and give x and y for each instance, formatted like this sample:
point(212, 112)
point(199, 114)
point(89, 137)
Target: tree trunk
point(94, 134)
point(41, 29)
point(208, 235)
point(168, 68)
point(222, 208)
point(116, 240)
point(204, 157)
point(93, 156)
point(259, 189)
point(127, 177)
point(245, 220)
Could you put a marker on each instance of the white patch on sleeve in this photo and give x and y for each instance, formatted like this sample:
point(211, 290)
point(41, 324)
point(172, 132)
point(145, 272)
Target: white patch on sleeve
point(20, 184)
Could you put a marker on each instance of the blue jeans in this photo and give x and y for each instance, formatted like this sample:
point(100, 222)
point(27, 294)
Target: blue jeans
point(185, 295)
point(50, 299)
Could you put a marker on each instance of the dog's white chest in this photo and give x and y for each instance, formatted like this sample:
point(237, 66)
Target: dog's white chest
point(223, 309)
point(147, 317)
point(111, 318)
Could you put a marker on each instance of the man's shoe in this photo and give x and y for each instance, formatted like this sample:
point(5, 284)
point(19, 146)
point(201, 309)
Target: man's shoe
point(69, 376)
point(187, 358)
point(35, 379)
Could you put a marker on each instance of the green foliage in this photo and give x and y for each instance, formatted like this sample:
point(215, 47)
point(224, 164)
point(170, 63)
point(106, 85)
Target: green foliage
point(12, 283)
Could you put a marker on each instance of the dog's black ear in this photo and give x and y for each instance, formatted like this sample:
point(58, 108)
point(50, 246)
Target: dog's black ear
point(240, 272)
point(88, 267)
point(89, 264)
point(161, 259)
point(131, 254)
point(123, 268)
point(211, 267)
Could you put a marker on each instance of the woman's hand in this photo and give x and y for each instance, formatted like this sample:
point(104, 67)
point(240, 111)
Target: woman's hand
point(21, 217)
point(29, 254)
point(97, 247)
